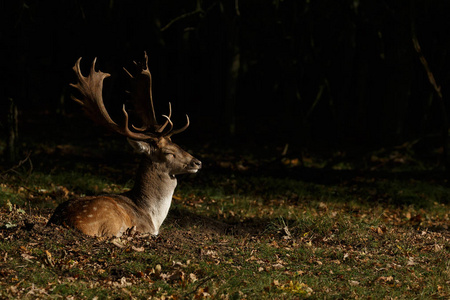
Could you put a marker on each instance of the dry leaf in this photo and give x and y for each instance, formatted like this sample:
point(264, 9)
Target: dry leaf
point(322, 205)
point(122, 283)
point(296, 288)
point(118, 243)
point(278, 266)
point(177, 275)
point(49, 259)
point(336, 261)
point(28, 256)
point(140, 249)
point(437, 247)
point(158, 269)
point(211, 253)
point(411, 262)
point(192, 277)
point(353, 282)
point(385, 279)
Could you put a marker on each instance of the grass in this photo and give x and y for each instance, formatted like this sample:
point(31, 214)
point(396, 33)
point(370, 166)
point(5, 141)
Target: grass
point(266, 231)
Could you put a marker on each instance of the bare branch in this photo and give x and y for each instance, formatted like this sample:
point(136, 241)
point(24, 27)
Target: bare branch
point(437, 88)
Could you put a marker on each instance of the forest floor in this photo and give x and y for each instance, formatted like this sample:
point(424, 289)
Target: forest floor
point(249, 225)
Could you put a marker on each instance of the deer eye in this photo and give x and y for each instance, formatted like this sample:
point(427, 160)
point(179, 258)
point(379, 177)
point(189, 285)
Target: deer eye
point(169, 154)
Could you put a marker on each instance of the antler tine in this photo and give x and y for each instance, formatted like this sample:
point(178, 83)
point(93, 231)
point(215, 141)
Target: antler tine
point(128, 73)
point(92, 66)
point(179, 130)
point(168, 122)
point(77, 70)
point(146, 70)
point(161, 129)
point(135, 135)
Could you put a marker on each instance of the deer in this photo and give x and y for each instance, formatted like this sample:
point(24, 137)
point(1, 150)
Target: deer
point(145, 207)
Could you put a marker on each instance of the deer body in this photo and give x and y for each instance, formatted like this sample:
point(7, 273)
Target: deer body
point(145, 207)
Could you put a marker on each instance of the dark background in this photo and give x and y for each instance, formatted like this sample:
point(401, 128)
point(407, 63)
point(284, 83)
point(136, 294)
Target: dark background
point(310, 73)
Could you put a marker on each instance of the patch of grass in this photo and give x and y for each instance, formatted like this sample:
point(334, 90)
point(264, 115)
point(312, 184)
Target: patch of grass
point(45, 190)
point(285, 233)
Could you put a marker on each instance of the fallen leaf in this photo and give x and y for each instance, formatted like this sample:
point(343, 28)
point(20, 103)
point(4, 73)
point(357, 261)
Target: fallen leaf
point(192, 277)
point(353, 282)
point(28, 256)
point(177, 275)
point(287, 232)
point(158, 269)
point(296, 288)
point(122, 283)
point(411, 262)
point(140, 249)
point(336, 261)
point(49, 259)
point(278, 266)
point(118, 243)
point(385, 279)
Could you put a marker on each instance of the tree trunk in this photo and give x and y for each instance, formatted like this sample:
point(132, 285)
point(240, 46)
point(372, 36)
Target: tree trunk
point(233, 60)
point(12, 147)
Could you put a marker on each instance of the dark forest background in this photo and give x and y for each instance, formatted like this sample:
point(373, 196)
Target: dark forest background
point(305, 72)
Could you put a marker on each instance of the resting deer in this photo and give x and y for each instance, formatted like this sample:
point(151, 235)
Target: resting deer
point(146, 205)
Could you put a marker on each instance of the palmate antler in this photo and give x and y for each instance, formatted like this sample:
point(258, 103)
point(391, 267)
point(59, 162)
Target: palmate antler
point(91, 88)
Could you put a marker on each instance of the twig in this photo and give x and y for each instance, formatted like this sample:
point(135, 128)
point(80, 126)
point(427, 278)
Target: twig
point(437, 88)
point(424, 62)
point(198, 10)
point(13, 169)
point(199, 284)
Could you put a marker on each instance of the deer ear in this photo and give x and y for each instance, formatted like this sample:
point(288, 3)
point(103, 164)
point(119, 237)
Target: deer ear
point(141, 147)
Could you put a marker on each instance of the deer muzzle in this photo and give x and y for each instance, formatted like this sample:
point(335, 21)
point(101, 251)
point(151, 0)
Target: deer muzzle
point(194, 165)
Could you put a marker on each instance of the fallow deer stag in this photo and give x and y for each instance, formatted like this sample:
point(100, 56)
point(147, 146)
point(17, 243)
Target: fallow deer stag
point(146, 205)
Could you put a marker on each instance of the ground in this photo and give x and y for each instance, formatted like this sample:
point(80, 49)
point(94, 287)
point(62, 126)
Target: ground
point(249, 225)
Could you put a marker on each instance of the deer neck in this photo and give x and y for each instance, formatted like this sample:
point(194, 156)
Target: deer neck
point(153, 190)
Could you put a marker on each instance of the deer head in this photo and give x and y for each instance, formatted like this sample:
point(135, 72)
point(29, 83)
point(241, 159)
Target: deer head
point(150, 138)
point(165, 152)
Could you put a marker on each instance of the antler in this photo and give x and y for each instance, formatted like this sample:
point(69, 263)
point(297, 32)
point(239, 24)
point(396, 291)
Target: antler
point(170, 133)
point(141, 94)
point(91, 87)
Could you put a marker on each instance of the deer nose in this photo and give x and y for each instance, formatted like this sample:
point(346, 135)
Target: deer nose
point(195, 163)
